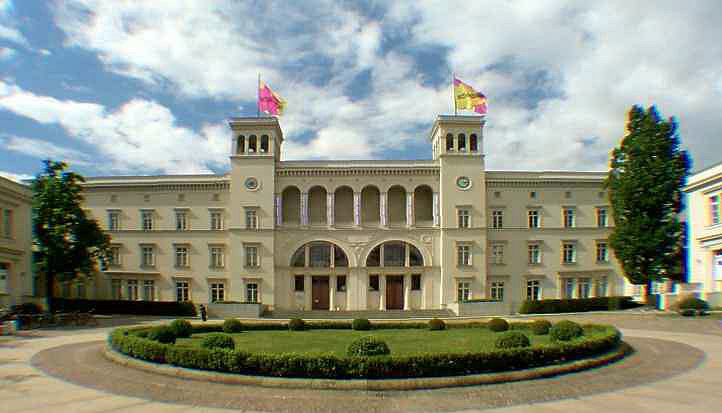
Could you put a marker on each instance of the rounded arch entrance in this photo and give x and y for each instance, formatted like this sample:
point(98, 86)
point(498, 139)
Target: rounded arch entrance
point(319, 271)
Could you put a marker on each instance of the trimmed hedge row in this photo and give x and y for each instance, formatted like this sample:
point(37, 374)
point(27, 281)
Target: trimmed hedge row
point(339, 367)
point(166, 308)
point(577, 305)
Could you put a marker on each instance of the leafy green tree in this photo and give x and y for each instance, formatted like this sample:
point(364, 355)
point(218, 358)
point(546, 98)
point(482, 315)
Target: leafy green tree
point(645, 179)
point(69, 243)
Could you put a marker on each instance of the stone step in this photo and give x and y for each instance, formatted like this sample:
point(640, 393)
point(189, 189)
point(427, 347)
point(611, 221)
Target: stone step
point(350, 315)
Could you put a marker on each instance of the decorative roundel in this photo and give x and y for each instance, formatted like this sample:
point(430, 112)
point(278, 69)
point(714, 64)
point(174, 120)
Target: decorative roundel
point(251, 184)
point(463, 182)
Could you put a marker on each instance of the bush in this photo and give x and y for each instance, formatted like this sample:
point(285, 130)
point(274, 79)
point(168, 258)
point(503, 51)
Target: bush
point(498, 324)
point(296, 324)
point(693, 303)
point(218, 340)
point(26, 308)
point(142, 333)
point(577, 305)
point(565, 330)
point(164, 308)
point(512, 339)
point(181, 328)
point(541, 327)
point(688, 312)
point(232, 326)
point(162, 334)
point(367, 346)
point(361, 324)
point(435, 324)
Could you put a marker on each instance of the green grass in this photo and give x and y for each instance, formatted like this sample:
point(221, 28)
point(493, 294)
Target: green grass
point(402, 341)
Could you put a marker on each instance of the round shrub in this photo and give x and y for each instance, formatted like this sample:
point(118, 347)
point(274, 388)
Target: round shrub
point(367, 346)
point(694, 304)
point(162, 334)
point(512, 339)
point(565, 330)
point(435, 324)
point(498, 324)
point(296, 324)
point(541, 327)
point(218, 340)
point(181, 328)
point(688, 312)
point(361, 324)
point(232, 326)
point(142, 333)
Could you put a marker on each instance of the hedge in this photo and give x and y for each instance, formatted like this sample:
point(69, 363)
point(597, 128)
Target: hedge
point(165, 308)
point(577, 305)
point(343, 367)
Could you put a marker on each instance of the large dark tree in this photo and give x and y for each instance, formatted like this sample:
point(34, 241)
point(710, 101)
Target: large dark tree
point(69, 243)
point(645, 179)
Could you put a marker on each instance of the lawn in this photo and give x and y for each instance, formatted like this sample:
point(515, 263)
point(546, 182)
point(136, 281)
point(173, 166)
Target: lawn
point(402, 341)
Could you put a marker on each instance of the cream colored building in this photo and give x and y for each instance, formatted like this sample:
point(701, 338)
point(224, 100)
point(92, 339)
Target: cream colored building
point(16, 280)
point(704, 241)
point(357, 235)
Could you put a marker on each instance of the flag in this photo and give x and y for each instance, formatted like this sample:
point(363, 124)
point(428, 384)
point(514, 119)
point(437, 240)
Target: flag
point(268, 101)
point(465, 97)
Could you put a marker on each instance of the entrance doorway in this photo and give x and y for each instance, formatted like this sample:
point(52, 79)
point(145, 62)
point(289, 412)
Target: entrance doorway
point(319, 293)
point(394, 292)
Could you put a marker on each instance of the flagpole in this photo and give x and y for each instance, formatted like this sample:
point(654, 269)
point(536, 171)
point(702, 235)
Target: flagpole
point(258, 97)
point(453, 96)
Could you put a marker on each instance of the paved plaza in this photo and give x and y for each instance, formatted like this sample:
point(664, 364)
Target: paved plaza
point(677, 365)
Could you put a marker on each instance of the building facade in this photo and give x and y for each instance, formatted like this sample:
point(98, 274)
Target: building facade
point(704, 241)
point(16, 277)
point(356, 235)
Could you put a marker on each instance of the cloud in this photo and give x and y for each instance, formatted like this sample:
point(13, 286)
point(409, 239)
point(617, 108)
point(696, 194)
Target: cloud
point(7, 31)
point(44, 150)
point(15, 177)
point(7, 53)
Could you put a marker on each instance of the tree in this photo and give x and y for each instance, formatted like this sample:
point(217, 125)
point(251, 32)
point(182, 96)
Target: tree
point(645, 179)
point(69, 243)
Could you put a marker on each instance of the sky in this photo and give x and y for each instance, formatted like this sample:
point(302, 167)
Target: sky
point(146, 87)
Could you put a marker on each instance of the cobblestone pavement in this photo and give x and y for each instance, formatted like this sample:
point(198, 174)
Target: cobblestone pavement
point(678, 364)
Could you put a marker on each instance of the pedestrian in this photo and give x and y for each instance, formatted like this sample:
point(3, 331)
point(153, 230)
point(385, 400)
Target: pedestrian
point(203, 312)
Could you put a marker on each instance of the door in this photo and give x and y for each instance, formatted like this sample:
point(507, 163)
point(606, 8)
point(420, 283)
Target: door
point(319, 293)
point(394, 292)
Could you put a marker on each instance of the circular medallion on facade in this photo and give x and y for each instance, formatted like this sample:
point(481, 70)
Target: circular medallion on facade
point(463, 182)
point(251, 184)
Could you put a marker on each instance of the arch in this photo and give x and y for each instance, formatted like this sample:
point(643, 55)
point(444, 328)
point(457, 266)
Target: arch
point(370, 205)
point(241, 144)
point(317, 206)
point(397, 205)
point(291, 206)
point(423, 206)
point(473, 143)
point(339, 252)
point(449, 142)
point(343, 206)
point(252, 144)
point(264, 144)
point(419, 256)
point(461, 143)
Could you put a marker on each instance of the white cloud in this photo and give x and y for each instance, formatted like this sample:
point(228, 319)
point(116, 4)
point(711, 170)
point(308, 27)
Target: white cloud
point(44, 150)
point(7, 53)
point(15, 177)
point(13, 35)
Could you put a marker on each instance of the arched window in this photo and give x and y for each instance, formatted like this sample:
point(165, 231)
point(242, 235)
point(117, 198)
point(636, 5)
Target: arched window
point(423, 206)
point(252, 148)
point(449, 142)
point(395, 254)
point(473, 145)
point(343, 206)
point(291, 206)
point(461, 143)
point(241, 144)
point(397, 205)
point(317, 206)
point(319, 254)
point(264, 144)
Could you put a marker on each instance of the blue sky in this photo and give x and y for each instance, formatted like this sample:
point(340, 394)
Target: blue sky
point(118, 88)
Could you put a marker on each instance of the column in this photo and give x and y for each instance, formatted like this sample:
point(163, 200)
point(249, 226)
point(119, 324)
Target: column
point(332, 292)
point(243, 290)
point(424, 302)
point(330, 201)
point(435, 206)
point(279, 210)
point(357, 209)
point(382, 292)
point(304, 208)
point(409, 209)
point(407, 291)
point(307, 293)
point(383, 196)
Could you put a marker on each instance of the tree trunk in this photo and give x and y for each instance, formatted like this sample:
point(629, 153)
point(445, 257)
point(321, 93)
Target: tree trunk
point(649, 298)
point(50, 291)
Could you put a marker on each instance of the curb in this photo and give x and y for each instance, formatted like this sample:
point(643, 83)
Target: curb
point(620, 352)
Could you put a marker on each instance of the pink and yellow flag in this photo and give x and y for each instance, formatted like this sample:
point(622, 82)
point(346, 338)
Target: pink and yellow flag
point(465, 97)
point(268, 101)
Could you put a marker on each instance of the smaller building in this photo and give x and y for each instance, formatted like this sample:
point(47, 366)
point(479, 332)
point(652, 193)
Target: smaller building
point(16, 280)
point(704, 197)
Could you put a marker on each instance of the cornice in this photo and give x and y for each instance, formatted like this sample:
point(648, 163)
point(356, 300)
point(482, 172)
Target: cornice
point(539, 183)
point(159, 187)
point(368, 171)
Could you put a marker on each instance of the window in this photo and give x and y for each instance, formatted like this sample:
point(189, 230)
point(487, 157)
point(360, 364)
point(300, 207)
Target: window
point(373, 282)
point(116, 289)
point(714, 209)
point(449, 142)
point(149, 290)
point(534, 252)
point(463, 255)
point(114, 257)
point(569, 254)
point(532, 194)
point(497, 194)
point(251, 293)
point(464, 218)
point(601, 217)
point(473, 146)
point(602, 252)
point(567, 194)
point(182, 290)
point(533, 218)
point(533, 290)
point(132, 288)
point(568, 288)
point(415, 282)
point(568, 217)
point(461, 142)
point(583, 288)
point(251, 219)
point(181, 220)
point(216, 220)
point(497, 253)
point(181, 256)
point(497, 290)
point(113, 220)
point(8, 223)
point(602, 287)
point(298, 283)
point(217, 257)
point(320, 255)
point(463, 291)
point(394, 254)
point(147, 256)
point(147, 220)
point(497, 219)
point(218, 292)
point(4, 271)
point(251, 256)
point(341, 283)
